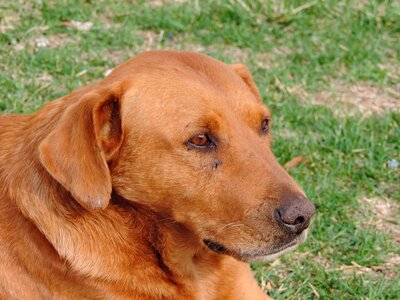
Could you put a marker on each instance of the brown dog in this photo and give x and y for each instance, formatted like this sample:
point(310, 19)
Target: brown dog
point(157, 182)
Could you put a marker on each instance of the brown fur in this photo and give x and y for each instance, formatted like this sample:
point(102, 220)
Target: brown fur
point(103, 198)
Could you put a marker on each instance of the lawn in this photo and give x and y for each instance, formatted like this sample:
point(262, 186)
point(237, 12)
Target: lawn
point(328, 70)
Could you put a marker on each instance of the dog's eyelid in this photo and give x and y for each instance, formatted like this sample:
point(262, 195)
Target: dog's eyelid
point(202, 141)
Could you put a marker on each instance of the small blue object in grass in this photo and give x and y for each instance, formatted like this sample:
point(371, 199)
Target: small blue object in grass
point(393, 164)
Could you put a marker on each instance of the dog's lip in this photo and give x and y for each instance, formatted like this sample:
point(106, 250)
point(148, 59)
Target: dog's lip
point(213, 246)
point(248, 256)
point(257, 255)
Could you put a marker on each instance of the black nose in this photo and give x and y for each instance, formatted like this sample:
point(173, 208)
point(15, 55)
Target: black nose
point(295, 213)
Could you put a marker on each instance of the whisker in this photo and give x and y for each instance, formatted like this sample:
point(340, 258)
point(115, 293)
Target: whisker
point(227, 227)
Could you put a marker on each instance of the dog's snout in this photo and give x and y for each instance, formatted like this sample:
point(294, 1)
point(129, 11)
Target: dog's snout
point(295, 213)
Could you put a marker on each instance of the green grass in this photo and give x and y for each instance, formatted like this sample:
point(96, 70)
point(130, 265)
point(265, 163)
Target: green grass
point(308, 44)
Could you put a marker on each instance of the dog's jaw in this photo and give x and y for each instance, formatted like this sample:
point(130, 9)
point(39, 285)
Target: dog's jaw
point(266, 258)
point(287, 248)
point(252, 258)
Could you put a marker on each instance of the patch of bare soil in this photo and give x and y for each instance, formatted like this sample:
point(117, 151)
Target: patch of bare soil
point(158, 3)
point(8, 21)
point(362, 97)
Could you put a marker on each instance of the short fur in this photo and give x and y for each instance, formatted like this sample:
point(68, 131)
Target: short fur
point(102, 196)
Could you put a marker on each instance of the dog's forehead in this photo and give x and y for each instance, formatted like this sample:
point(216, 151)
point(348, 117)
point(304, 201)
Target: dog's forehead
point(179, 71)
point(187, 97)
point(184, 80)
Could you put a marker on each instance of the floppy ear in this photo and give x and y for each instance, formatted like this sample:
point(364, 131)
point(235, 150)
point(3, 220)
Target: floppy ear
point(244, 73)
point(76, 152)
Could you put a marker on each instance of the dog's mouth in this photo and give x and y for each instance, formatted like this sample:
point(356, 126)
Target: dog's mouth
point(217, 248)
point(257, 255)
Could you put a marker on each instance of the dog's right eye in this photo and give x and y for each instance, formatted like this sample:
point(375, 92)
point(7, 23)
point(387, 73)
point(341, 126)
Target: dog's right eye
point(201, 141)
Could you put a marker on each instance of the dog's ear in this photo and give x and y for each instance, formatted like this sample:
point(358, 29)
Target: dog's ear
point(244, 73)
point(76, 153)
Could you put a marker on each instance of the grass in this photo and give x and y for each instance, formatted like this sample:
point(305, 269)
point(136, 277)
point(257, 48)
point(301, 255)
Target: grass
point(307, 46)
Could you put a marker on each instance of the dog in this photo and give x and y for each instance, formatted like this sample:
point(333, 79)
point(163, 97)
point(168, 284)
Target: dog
point(157, 182)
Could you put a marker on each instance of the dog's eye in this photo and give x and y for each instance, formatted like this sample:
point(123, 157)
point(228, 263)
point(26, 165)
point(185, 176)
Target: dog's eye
point(201, 141)
point(265, 126)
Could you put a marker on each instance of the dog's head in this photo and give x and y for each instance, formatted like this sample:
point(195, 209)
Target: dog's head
point(189, 138)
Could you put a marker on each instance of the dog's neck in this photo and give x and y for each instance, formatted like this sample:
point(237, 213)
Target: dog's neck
point(173, 244)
